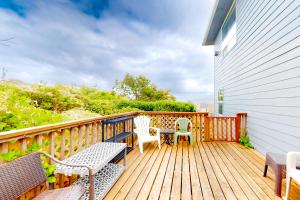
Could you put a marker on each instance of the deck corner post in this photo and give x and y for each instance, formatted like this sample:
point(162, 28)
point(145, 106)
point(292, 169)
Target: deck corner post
point(206, 128)
point(240, 124)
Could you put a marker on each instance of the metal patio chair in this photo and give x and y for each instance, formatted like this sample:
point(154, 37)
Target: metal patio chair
point(25, 173)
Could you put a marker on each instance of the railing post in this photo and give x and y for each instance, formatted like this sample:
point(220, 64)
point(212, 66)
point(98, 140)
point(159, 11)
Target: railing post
point(240, 124)
point(206, 128)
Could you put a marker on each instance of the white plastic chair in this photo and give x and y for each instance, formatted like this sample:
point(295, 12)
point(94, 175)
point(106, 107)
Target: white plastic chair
point(142, 130)
point(291, 171)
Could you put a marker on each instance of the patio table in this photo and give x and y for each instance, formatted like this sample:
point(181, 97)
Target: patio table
point(103, 173)
point(167, 133)
point(278, 163)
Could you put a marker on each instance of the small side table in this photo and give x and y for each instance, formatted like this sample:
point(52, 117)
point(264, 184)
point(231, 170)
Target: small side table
point(278, 163)
point(167, 133)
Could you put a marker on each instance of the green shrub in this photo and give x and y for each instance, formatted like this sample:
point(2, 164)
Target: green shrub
point(245, 140)
point(23, 105)
point(57, 98)
point(16, 110)
point(102, 107)
point(141, 105)
point(172, 106)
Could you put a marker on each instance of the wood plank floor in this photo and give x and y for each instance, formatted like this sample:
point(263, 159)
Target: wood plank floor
point(211, 170)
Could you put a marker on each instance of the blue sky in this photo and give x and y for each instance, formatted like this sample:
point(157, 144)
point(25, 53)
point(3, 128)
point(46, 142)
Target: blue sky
point(98, 41)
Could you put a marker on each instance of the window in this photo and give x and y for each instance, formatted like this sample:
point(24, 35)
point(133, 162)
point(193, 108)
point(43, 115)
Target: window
point(220, 101)
point(229, 30)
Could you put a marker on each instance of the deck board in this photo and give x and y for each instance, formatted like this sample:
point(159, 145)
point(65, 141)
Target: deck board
point(176, 183)
point(186, 175)
point(237, 190)
point(202, 175)
point(211, 170)
point(238, 177)
point(145, 190)
point(195, 182)
point(214, 183)
point(157, 185)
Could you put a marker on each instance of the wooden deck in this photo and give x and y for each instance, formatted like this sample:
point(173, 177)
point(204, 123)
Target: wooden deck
point(212, 170)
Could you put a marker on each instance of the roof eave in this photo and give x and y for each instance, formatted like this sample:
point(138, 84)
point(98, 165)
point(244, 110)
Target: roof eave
point(218, 14)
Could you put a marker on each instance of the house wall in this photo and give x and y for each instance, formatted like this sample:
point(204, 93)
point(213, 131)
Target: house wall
point(261, 74)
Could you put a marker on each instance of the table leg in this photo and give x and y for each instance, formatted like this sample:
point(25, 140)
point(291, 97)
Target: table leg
point(266, 170)
point(167, 139)
point(91, 180)
point(278, 180)
point(125, 153)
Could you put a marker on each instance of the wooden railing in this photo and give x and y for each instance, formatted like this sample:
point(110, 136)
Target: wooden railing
point(205, 127)
point(65, 139)
point(226, 128)
point(166, 120)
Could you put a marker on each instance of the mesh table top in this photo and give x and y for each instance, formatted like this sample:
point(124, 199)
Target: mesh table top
point(95, 157)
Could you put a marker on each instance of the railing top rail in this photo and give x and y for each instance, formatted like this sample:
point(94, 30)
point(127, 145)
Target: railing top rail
point(222, 117)
point(171, 113)
point(242, 113)
point(57, 126)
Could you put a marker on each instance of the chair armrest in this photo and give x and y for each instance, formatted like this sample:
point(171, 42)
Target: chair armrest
point(137, 130)
point(156, 129)
point(291, 160)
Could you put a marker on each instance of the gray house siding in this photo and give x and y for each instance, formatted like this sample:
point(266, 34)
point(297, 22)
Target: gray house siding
point(260, 75)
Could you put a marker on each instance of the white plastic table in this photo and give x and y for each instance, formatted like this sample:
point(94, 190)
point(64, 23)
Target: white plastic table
point(94, 162)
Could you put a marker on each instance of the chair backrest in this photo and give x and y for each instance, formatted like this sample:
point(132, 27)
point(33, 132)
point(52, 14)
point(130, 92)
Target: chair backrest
point(21, 175)
point(183, 124)
point(142, 124)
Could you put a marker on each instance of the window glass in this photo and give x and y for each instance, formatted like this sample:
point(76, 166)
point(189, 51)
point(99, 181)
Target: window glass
point(228, 23)
point(220, 101)
point(229, 30)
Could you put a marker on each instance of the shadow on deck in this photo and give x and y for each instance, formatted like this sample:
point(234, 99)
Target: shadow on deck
point(212, 170)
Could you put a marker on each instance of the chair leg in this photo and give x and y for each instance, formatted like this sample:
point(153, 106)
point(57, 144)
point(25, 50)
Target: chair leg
point(192, 140)
point(175, 139)
point(159, 145)
point(141, 147)
point(278, 180)
point(266, 170)
point(288, 187)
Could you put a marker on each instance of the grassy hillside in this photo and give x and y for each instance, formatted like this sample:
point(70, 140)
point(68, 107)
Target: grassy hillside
point(23, 105)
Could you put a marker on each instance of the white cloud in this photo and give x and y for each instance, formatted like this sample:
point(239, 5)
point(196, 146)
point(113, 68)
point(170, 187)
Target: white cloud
point(57, 43)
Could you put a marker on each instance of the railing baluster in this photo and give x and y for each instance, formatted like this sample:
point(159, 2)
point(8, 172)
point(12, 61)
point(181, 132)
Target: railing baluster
point(94, 133)
point(63, 144)
point(4, 147)
point(72, 141)
point(86, 129)
point(231, 128)
point(222, 129)
point(24, 144)
point(39, 140)
point(226, 128)
point(98, 132)
point(80, 137)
